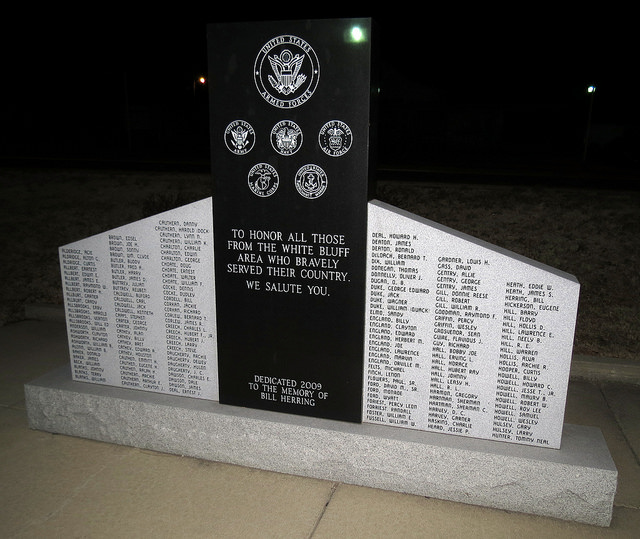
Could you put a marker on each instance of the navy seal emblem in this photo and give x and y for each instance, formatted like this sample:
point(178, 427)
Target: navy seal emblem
point(239, 137)
point(286, 71)
point(311, 181)
point(263, 180)
point(286, 137)
point(335, 138)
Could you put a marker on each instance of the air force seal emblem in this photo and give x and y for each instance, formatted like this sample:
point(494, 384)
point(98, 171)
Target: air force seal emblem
point(335, 138)
point(286, 71)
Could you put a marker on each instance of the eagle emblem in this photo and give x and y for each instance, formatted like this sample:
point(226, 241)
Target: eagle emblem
point(286, 68)
point(286, 137)
point(286, 71)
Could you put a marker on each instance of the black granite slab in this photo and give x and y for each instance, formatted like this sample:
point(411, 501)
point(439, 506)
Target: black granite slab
point(291, 133)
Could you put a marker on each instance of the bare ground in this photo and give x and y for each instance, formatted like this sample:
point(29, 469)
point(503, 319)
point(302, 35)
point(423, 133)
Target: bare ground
point(592, 234)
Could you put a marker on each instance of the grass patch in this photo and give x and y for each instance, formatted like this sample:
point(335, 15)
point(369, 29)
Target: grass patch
point(592, 234)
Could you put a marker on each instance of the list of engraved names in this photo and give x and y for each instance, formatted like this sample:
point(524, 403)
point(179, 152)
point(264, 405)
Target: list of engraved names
point(138, 303)
point(455, 346)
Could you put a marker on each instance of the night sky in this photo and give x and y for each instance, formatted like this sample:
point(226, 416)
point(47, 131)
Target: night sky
point(69, 80)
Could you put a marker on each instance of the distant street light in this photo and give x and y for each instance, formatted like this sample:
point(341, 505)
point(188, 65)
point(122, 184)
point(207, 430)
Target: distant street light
point(591, 90)
point(198, 80)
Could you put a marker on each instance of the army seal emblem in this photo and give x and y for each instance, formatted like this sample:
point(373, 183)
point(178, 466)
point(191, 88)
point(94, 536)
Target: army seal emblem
point(286, 137)
point(239, 137)
point(263, 180)
point(311, 181)
point(286, 71)
point(335, 138)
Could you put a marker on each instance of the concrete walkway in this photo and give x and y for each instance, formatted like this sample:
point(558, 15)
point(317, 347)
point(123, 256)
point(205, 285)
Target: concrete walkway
point(59, 486)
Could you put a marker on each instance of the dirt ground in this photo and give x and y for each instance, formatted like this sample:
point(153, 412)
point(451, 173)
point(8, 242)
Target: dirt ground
point(592, 234)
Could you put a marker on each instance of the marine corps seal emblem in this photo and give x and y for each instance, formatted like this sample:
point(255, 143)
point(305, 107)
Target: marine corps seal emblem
point(286, 71)
point(263, 180)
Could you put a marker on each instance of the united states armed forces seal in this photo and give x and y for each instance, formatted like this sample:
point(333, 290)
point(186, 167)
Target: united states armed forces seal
point(286, 71)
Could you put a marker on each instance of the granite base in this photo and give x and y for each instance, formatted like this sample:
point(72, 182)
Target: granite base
point(576, 482)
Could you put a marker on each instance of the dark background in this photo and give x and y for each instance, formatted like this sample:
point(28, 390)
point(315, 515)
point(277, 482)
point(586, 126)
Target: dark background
point(459, 86)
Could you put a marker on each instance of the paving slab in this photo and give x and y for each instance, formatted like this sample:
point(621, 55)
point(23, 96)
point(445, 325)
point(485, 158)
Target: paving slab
point(150, 494)
point(41, 472)
point(361, 512)
point(586, 405)
point(624, 402)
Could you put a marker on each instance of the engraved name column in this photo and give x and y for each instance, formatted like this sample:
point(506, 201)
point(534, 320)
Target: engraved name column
point(88, 323)
point(399, 323)
point(130, 308)
point(526, 387)
point(379, 346)
point(186, 327)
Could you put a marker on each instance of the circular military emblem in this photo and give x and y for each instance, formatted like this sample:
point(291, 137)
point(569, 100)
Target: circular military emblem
point(311, 181)
point(263, 180)
point(286, 71)
point(335, 138)
point(239, 137)
point(286, 137)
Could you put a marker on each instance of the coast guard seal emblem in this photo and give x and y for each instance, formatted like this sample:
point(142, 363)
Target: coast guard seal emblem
point(311, 181)
point(263, 180)
point(286, 137)
point(335, 138)
point(239, 137)
point(286, 71)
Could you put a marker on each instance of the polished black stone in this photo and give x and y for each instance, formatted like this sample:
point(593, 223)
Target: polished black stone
point(291, 135)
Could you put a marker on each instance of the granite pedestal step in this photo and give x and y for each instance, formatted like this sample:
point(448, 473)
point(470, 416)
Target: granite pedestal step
point(577, 482)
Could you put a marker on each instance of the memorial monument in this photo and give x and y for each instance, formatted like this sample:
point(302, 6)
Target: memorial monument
point(399, 353)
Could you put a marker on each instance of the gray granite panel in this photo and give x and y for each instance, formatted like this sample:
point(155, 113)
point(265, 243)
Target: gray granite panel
point(139, 304)
point(464, 337)
point(577, 482)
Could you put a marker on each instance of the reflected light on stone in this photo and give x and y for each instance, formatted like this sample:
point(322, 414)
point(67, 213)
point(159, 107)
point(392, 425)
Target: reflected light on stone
point(357, 35)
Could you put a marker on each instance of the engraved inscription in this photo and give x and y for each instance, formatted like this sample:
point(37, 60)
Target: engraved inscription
point(463, 340)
